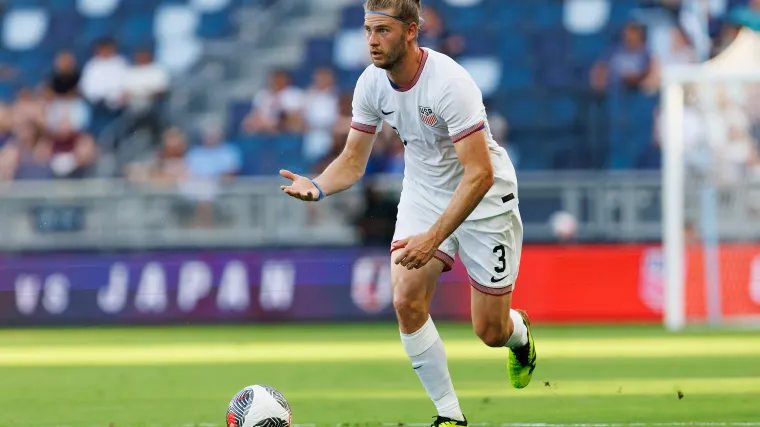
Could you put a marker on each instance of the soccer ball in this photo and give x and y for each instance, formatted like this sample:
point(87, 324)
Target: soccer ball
point(258, 406)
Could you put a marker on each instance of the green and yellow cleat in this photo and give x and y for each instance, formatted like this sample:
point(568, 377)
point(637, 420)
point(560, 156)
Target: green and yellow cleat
point(522, 361)
point(447, 422)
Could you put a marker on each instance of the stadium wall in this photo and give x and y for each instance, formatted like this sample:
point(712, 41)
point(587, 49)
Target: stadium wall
point(584, 283)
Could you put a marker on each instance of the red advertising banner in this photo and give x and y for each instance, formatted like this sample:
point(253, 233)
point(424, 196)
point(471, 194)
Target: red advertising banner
point(590, 283)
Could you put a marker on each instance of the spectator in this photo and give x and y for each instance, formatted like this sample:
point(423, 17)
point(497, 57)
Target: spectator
point(277, 109)
point(72, 150)
point(167, 167)
point(680, 52)
point(626, 64)
point(29, 107)
point(209, 165)
point(102, 83)
point(64, 81)
point(62, 89)
point(6, 124)
point(433, 34)
point(27, 155)
point(145, 87)
point(215, 159)
point(320, 113)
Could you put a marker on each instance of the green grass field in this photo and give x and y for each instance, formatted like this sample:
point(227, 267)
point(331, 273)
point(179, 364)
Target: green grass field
point(358, 375)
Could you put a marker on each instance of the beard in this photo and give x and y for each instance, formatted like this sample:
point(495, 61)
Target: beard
point(391, 58)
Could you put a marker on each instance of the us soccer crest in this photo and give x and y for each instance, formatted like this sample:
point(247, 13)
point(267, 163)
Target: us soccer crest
point(427, 116)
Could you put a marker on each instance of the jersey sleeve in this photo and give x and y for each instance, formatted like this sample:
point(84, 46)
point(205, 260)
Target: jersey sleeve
point(364, 118)
point(461, 106)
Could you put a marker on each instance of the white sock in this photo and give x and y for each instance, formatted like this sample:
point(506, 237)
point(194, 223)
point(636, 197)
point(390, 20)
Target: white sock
point(425, 350)
point(519, 336)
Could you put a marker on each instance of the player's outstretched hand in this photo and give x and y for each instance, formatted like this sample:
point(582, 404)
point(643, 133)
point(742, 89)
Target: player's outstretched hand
point(302, 188)
point(415, 251)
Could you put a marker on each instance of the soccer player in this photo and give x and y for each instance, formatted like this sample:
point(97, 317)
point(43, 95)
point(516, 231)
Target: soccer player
point(459, 196)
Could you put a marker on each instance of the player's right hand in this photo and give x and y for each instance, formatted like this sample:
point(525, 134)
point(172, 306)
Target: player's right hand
point(302, 188)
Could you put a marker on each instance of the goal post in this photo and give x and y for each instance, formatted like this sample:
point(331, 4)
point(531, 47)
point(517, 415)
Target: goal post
point(709, 127)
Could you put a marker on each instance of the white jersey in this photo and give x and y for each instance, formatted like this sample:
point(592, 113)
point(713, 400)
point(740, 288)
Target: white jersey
point(441, 106)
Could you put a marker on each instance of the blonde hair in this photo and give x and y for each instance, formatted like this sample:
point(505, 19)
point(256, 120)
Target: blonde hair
point(406, 10)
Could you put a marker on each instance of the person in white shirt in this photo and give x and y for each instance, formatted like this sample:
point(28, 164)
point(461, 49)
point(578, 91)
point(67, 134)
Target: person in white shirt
point(320, 113)
point(277, 109)
point(459, 196)
point(145, 82)
point(104, 75)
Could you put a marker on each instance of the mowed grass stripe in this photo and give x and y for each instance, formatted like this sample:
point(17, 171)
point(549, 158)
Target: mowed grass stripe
point(627, 387)
point(335, 351)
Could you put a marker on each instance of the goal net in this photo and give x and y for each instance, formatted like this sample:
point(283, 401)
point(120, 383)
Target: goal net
point(709, 128)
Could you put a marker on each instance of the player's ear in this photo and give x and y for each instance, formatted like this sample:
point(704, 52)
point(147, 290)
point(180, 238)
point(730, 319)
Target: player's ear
point(413, 31)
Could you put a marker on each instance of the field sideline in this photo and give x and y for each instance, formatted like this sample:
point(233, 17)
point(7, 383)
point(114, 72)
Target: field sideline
point(358, 375)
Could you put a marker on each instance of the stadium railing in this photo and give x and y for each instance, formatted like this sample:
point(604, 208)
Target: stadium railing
point(252, 212)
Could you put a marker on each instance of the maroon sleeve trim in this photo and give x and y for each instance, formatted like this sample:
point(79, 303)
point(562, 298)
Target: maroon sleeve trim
point(467, 132)
point(361, 127)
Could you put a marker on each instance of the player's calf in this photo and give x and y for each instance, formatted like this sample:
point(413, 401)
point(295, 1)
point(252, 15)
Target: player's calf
point(412, 291)
point(494, 334)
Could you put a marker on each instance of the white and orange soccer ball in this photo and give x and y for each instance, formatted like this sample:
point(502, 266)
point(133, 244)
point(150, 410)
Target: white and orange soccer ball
point(258, 406)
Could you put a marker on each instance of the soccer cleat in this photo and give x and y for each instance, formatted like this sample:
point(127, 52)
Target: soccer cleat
point(522, 361)
point(447, 422)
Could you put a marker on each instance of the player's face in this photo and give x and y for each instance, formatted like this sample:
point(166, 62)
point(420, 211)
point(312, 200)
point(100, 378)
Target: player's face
point(386, 38)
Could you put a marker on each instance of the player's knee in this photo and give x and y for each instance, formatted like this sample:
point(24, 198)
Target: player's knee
point(492, 334)
point(407, 304)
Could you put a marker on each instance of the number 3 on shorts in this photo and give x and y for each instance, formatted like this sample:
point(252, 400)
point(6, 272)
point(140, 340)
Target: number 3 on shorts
point(502, 258)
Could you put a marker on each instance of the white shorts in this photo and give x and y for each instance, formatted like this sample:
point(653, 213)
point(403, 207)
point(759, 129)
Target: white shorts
point(489, 248)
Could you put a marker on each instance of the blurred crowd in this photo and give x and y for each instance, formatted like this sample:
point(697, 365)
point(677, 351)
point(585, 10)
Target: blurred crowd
point(106, 116)
point(721, 120)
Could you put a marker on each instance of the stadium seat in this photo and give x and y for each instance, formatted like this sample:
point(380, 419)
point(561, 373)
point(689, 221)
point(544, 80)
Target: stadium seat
point(486, 71)
point(24, 29)
point(464, 18)
point(548, 17)
point(210, 6)
point(319, 50)
point(479, 42)
point(97, 8)
point(180, 54)
point(175, 21)
point(516, 76)
point(586, 16)
point(350, 50)
point(214, 25)
point(61, 6)
point(136, 30)
point(352, 17)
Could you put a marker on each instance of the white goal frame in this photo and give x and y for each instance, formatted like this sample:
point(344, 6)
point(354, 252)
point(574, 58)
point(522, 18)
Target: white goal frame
point(673, 174)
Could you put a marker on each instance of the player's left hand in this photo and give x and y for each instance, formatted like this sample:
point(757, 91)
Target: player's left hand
point(415, 251)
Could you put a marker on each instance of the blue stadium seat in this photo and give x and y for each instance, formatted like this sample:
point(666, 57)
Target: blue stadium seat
point(61, 6)
point(352, 17)
point(22, 4)
point(464, 18)
point(65, 26)
point(236, 114)
point(136, 30)
point(563, 110)
point(513, 46)
point(319, 50)
point(215, 25)
point(516, 76)
point(479, 42)
point(547, 17)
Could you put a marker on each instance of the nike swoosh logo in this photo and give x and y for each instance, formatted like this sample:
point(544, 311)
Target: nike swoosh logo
point(386, 113)
point(495, 280)
point(417, 367)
